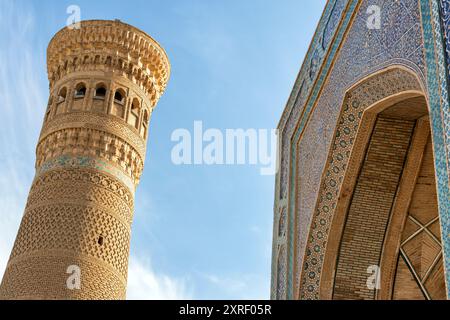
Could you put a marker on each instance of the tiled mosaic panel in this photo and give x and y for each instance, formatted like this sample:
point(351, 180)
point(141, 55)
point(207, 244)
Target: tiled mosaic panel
point(308, 74)
point(281, 276)
point(306, 78)
point(364, 52)
point(307, 109)
point(439, 105)
point(445, 15)
point(399, 41)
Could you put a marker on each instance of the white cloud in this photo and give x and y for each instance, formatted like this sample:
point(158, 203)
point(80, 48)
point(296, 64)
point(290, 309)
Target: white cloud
point(256, 229)
point(145, 284)
point(241, 286)
point(231, 285)
point(21, 106)
point(13, 192)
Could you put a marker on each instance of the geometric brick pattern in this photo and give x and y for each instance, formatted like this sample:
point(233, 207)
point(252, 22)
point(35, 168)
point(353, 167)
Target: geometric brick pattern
point(370, 208)
point(74, 228)
point(25, 276)
point(88, 142)
point(59, 186)
point(96, 122)
point(82, 208)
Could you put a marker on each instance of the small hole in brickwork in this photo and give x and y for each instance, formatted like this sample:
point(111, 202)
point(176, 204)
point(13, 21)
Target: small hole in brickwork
point(100, 240)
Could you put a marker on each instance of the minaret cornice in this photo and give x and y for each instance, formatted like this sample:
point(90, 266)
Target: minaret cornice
point(110, 46)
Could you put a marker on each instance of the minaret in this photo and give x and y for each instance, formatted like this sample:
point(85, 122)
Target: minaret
point(73, 243)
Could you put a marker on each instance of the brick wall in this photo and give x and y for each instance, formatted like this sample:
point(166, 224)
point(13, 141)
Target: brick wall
point(370, 207)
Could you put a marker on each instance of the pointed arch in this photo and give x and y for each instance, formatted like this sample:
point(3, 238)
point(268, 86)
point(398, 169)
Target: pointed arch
point(361, 105)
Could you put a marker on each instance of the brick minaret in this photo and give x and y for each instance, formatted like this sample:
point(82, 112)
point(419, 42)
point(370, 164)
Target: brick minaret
point(105, 80)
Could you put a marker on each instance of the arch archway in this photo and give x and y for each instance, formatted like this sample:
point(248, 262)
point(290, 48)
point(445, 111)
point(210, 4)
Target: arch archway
point(382, 117)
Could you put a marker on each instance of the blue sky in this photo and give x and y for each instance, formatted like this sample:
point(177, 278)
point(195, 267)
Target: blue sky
point(201, 232)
